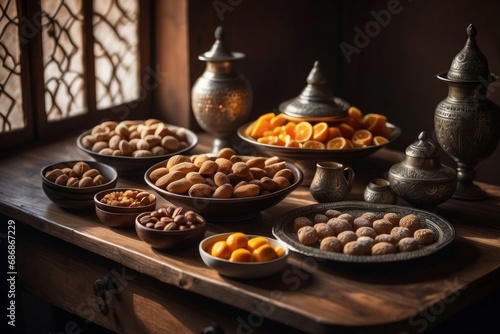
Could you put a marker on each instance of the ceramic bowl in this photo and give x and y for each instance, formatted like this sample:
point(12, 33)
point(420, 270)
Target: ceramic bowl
point(160, 239)
point(128, 165)
point(73, 197)
point(119, 216)
point(227, 209)
point(306, 159)
point(245, 270)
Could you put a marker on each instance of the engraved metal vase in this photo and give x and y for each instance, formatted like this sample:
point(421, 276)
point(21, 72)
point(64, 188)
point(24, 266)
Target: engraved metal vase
point(421, 179)
point(466, 122)
point(221, 98)
point(379, 191)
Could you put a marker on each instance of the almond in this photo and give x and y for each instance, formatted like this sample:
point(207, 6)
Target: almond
point(223, 191)
point(246, 190)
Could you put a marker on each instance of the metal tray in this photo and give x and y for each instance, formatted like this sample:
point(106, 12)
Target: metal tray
point(283, 230)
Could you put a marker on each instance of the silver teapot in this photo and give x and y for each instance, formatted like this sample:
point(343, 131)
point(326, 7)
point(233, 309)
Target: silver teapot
point(421, 179)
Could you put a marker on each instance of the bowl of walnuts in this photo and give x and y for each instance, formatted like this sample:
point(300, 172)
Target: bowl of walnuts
point(73, 184)
point(224, 186)
point(132, 146)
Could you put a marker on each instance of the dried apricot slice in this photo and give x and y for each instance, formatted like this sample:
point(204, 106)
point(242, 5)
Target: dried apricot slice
point(261, 124)
point(379, 140)
point(346, 130)
point(277, 121)
point(333, 132)
point(320, 131)
point(221, 250)
point(303, 132)
point(355, 116)
point(264, 253)
point(256, 242)
point(241, 255)
point(362, 138)
point(237, 240)
point(375, 123)
point(314, 144)
point(339, 143)
point(279, 251)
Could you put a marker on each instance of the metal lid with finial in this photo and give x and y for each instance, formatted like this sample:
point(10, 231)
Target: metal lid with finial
point(470, 64)
point(316, 100)
point(219, 50)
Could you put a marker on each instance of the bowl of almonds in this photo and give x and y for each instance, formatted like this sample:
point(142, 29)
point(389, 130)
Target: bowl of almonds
point(73, 184)
point(118, 207)
point(132, 146)
point(170, 227)
point(224, 186)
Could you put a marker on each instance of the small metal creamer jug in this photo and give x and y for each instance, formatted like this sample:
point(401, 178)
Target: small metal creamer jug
point(332, 182)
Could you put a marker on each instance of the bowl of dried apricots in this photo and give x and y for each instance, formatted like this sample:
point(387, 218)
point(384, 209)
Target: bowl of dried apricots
point(307, 141)
point(240, 255)
point(225, 186)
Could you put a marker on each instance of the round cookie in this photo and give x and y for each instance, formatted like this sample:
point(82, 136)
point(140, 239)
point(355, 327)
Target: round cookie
point(360, 222)
point(339, 225)
point(348, 217)
point(424, 236)
point(370, 216)
point(347, 236)
point(367, 242)
point(354, 248)
point(408, 244)
point(331, 244)
point(307, 235)
point(382, 248)
point(411, 221)
point(386, 238)
point(320, 218)
point(382, 226)
point(299, 222)
point(323, 230)
point(332, 213)
point(393, 218)
point(400, 232)
point(366, 232)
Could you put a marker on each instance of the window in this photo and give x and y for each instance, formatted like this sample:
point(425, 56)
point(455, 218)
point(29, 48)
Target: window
point(68, 64)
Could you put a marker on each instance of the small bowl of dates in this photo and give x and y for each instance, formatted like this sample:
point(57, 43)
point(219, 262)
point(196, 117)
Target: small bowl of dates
point(118, 207)
point(73, 184)
point(170, 227)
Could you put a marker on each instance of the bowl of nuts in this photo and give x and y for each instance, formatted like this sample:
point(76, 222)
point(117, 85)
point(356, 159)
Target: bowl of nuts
point(73, 184)
point(170, 227)
point(118, 207)
point(224, 186)
point(132, 146)
point(240, 255)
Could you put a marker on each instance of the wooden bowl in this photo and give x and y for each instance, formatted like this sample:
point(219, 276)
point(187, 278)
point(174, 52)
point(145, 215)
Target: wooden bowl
point(161, 239)
point(227, 209)
point(73, 197)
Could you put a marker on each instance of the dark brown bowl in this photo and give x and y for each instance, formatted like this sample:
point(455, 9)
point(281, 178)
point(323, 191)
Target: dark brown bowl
point(306, 159)
point(77, 198)
point(227, 209)
point(116, 220)
point(132, 166)
point(122, 209)
point(161, 239)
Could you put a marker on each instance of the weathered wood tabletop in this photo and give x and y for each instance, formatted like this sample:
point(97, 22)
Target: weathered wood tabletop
point(311, 294)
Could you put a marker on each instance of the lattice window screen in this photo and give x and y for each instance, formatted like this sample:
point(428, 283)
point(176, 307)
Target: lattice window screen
point(63, 60)
point(65, 57)
point(116, 51)
point(11, 106)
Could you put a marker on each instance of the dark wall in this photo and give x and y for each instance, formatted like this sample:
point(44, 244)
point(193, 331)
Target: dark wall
point(393, 72)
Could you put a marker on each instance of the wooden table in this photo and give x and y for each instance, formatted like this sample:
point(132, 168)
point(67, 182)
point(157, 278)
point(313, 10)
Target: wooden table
point(61, 253)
